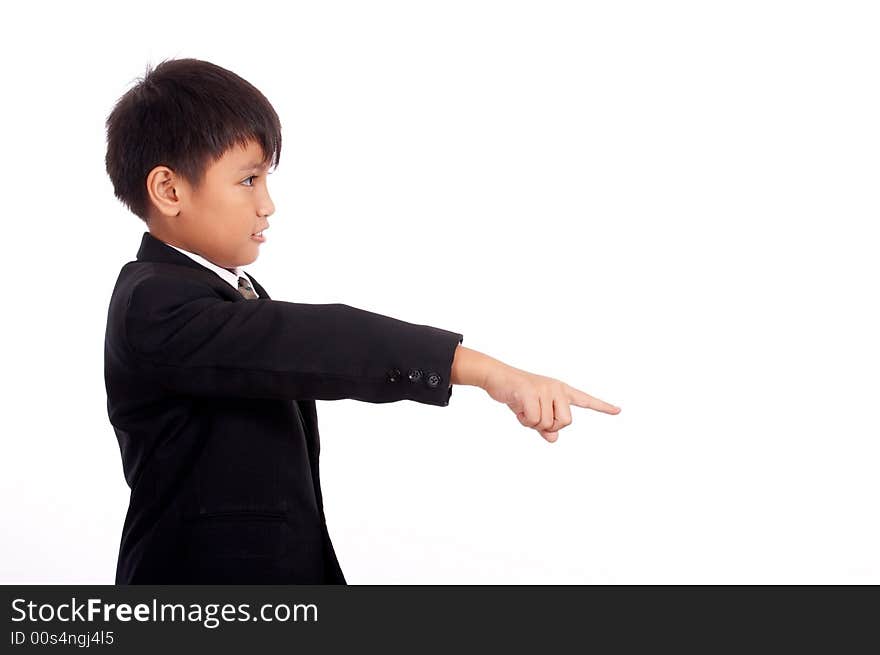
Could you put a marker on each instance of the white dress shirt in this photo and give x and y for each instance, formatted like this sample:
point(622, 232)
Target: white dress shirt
point(224, 273)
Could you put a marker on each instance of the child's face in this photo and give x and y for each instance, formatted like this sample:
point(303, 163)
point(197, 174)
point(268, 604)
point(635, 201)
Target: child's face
point(219, 220)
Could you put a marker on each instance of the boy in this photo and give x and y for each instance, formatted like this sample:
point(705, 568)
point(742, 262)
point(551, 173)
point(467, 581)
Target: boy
point(211, 385)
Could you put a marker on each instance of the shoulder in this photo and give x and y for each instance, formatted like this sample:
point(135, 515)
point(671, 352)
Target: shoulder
point(144, 284)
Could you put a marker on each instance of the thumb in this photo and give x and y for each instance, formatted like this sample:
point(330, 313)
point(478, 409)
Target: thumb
point(549, 436)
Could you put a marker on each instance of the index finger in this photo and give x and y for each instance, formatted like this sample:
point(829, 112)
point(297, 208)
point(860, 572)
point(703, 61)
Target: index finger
point(582, 399)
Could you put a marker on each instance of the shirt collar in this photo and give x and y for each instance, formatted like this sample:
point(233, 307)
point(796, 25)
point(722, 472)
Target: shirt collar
point(226, 274)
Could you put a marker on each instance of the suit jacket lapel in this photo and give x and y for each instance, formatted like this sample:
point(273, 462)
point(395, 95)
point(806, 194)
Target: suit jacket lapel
point(155, 250)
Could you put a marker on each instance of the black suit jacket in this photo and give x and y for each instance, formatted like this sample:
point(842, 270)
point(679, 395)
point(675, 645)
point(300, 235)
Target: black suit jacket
point(212, 398)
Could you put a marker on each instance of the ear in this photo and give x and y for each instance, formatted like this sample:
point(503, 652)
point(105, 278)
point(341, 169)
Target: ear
point(166, 189)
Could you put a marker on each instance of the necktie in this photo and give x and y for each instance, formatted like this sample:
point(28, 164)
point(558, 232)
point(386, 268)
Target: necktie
point(246, 289)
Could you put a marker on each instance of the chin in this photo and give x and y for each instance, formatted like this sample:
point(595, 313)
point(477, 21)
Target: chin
point(249, 260)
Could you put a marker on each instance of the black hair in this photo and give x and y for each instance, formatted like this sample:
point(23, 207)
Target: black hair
point(184, 114)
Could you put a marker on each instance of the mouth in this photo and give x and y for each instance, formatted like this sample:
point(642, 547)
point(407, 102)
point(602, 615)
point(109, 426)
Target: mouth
point(258, 236)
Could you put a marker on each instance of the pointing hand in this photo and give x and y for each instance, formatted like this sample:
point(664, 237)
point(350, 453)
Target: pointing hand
point(538, 401)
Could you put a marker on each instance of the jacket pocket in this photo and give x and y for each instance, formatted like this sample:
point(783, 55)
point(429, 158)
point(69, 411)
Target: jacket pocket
point(238, 515)
point(215, 536)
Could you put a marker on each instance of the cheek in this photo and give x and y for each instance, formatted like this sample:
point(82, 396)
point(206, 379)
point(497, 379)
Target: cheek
point(232, 200)
point(231, 210)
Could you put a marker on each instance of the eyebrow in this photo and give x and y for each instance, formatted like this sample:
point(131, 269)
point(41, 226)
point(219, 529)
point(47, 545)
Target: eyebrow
point(251, 166)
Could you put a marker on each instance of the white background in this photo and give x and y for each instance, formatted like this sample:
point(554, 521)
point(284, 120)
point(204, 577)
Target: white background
point(671, 206)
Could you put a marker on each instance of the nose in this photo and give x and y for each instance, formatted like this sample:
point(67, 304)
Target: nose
point(267, 207)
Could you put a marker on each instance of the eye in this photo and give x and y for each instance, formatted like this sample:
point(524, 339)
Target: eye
point(253, 177)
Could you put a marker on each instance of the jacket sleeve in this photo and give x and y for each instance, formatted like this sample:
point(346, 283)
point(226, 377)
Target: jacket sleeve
point(199, 343)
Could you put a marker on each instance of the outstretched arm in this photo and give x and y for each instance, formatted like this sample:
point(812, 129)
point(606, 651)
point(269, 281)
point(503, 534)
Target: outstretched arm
point(189, 340)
